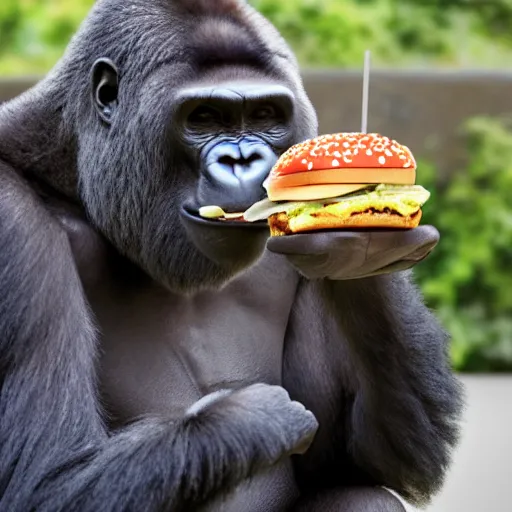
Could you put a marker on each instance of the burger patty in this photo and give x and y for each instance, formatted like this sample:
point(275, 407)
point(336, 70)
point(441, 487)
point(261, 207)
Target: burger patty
point(282, 224)
point(279, 224)
point(389, 211)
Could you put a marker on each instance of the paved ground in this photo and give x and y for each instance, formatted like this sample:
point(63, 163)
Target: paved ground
point(481, 477)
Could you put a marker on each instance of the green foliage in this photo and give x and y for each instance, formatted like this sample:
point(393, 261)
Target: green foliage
point(468, 278)
point(327, 33)
point(34, 33)
point(451, 33)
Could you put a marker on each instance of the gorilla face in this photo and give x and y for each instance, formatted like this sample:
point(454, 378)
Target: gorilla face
point(193, 110)
point(235, 131)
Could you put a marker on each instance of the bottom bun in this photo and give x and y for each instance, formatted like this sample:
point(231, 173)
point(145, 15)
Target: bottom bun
point(280, 224)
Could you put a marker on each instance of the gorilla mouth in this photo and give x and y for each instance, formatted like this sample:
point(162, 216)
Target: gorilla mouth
point(228, 220)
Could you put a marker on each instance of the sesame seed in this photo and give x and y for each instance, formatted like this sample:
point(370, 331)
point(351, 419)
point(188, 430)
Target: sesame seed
point(335, 163)
point(304, 161)
point(369, 152)
point(337, 154)
point(346, 145)
point(382, 160)
point(388, 153)
point(347, 160)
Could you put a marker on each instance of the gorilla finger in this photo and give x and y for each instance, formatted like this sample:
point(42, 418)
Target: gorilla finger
point(312, 267)
point(398, 266)
point(403, 241)
point(261, 393)
point(318, 243)
point(387, 248)
point(421, 253)
point(308, 427)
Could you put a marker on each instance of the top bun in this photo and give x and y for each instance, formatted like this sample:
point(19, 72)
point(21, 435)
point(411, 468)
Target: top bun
point(343, 151)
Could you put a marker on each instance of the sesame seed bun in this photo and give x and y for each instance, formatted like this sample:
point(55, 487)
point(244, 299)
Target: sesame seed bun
point(345, 151)
point(312, 192)
point(341, 159)
point(332, 182)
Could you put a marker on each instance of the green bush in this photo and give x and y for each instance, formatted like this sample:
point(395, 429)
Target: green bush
point(468, 278)
point(327, 33)
point(34, 33)
point(451, 33)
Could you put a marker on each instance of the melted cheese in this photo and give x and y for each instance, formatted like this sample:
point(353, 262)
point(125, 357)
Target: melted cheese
point(406, 200)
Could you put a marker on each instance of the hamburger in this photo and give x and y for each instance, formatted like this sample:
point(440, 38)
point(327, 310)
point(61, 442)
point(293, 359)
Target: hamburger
point(342, 181)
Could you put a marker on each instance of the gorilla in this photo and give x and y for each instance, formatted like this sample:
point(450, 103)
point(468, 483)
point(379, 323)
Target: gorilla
point(153, 360)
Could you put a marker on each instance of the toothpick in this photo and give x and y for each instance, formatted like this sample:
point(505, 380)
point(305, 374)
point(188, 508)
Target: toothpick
point(366, 87)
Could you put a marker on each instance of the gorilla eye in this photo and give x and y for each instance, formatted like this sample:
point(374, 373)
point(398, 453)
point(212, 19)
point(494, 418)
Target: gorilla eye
point(265, 113)
point(205, 115)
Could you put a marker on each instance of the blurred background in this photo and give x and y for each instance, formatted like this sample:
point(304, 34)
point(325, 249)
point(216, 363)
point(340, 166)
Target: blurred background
point(441, 85)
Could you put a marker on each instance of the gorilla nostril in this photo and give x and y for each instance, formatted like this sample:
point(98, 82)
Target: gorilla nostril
point(244, 162)
point(227, 160)
point(253, 158)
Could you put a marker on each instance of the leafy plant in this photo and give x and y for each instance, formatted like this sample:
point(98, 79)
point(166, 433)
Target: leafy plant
point(335, 33)
point(468, 278)
point(34, 33)
point(330, 33)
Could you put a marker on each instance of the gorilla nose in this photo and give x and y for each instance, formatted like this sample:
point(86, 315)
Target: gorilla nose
point(236, 170)
point(241, 163)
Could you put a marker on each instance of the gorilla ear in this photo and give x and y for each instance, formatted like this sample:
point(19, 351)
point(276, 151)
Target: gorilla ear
point(105, 88)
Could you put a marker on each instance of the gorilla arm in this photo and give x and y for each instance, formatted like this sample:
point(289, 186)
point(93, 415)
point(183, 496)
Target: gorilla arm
point(369, 359)
point(56, 453)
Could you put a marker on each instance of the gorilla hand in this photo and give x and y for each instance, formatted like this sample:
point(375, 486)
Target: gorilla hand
point(340, 255)
point(267, 423)
point(259, 428)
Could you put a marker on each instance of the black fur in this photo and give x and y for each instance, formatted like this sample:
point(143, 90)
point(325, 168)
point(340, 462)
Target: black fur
point(369, 348)
point(392, 395)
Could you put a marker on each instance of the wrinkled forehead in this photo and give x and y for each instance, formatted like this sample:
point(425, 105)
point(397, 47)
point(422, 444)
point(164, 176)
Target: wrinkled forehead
point(147, 37)
point(211, 45)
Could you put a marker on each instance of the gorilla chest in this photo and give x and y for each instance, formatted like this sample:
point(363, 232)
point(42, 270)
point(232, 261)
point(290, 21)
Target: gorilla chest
point(161, 352)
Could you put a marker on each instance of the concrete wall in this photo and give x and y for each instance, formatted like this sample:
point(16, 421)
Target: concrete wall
point(423, 110)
